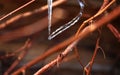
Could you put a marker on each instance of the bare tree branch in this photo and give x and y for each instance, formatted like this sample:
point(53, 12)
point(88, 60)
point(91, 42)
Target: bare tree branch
point(114, 31)
point(103, 8)
point(22, 54)
point(17, 9)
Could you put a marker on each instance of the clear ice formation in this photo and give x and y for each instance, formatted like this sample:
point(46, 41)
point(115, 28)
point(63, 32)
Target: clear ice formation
point(65, 26)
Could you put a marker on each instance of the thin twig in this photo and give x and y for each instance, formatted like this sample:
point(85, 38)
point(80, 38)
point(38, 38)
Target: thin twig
point(78, 57)
point(88, 20)
point(114, 31)
point(17, 9)
point(24, 50)
point(88, 67)
point(105, 3)
point(102, 9)
point(17, 51)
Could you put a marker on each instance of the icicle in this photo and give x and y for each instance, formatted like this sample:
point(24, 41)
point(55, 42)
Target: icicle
point(49, 15)
point(67, 25)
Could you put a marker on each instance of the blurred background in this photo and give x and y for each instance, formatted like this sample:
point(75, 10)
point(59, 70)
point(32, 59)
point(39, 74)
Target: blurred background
point(33, 25)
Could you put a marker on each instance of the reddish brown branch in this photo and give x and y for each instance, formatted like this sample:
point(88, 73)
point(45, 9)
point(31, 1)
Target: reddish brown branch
point(78, 57)
point(17, 51)
point(105, 3)
point(103, 8)
point(22, 54)
point(114, 31)
point(17, 9)
point(88, 68)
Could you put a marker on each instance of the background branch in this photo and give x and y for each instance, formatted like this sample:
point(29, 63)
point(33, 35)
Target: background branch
point(22, 54)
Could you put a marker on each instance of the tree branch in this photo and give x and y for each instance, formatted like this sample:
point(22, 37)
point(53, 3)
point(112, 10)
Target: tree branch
point(114, 31)
point(22, 54)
